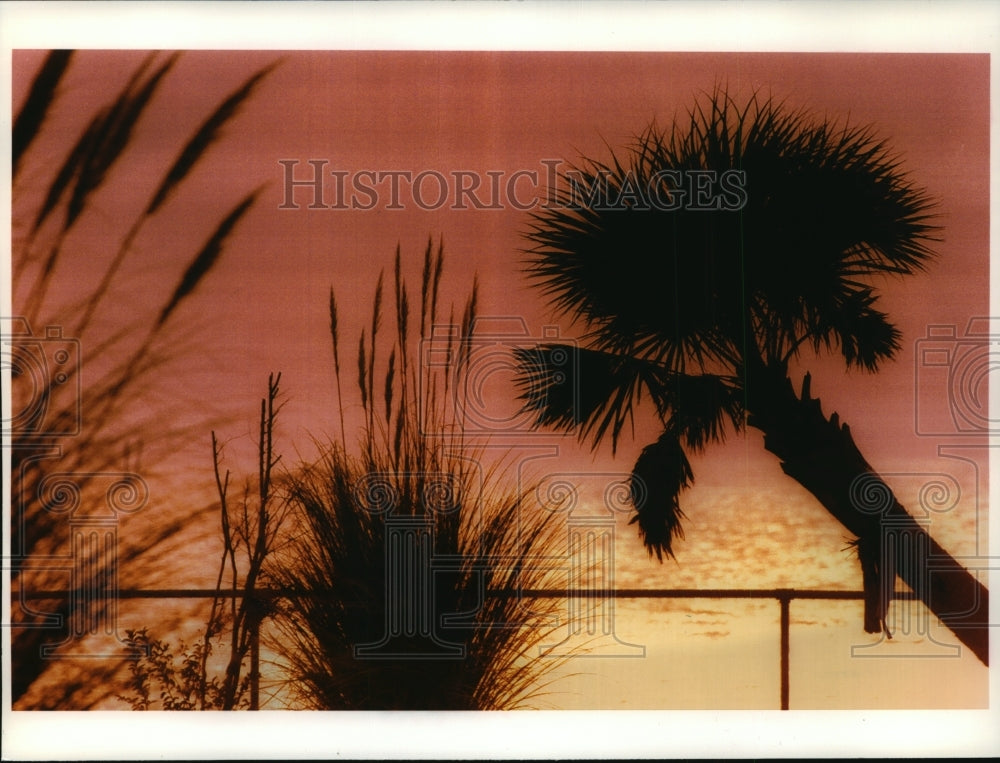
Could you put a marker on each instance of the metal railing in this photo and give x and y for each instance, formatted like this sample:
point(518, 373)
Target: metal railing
point(783, 596)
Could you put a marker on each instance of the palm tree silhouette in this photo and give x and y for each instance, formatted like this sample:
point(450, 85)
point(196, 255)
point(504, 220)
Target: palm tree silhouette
point(701, 265)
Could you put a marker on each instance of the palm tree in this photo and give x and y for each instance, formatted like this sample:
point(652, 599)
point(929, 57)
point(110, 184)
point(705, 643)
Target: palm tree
point(701, 266)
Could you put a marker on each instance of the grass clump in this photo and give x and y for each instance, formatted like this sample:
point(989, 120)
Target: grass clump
point(402, 545)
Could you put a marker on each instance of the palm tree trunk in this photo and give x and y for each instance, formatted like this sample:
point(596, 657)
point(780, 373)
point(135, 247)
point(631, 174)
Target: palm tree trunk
point(821, 455)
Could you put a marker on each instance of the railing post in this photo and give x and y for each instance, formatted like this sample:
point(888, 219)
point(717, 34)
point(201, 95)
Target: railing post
point(784, 598)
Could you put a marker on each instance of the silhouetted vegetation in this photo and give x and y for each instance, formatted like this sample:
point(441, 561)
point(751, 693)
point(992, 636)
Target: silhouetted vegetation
point(182, 679)
point(397, 581)
point(702, 299)
point(400, 543)
point(87, 426)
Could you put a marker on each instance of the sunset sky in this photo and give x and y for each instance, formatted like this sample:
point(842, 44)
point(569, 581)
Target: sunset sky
point(497, 115)
point(504, 113)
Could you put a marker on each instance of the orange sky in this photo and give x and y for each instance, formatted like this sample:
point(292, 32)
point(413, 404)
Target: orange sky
point(263, 307)
point(501, 112)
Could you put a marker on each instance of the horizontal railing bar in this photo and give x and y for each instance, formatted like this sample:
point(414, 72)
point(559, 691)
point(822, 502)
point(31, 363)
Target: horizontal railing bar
point(531, 593)
point(783, 595)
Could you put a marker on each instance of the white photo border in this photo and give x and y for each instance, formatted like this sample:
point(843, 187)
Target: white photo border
point(647, 26)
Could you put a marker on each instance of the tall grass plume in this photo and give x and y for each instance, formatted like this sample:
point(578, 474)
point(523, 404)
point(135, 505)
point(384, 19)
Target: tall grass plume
point(341, 635)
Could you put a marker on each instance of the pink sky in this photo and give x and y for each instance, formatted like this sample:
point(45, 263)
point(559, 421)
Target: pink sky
point(263, 308)
point(491, 111)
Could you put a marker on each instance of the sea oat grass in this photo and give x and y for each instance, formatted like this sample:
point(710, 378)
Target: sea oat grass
point(477, 650)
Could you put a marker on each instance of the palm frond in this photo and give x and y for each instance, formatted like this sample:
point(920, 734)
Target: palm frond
point(660, 474)
point(592, 392)
point(863, 335)
point(744, 215)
